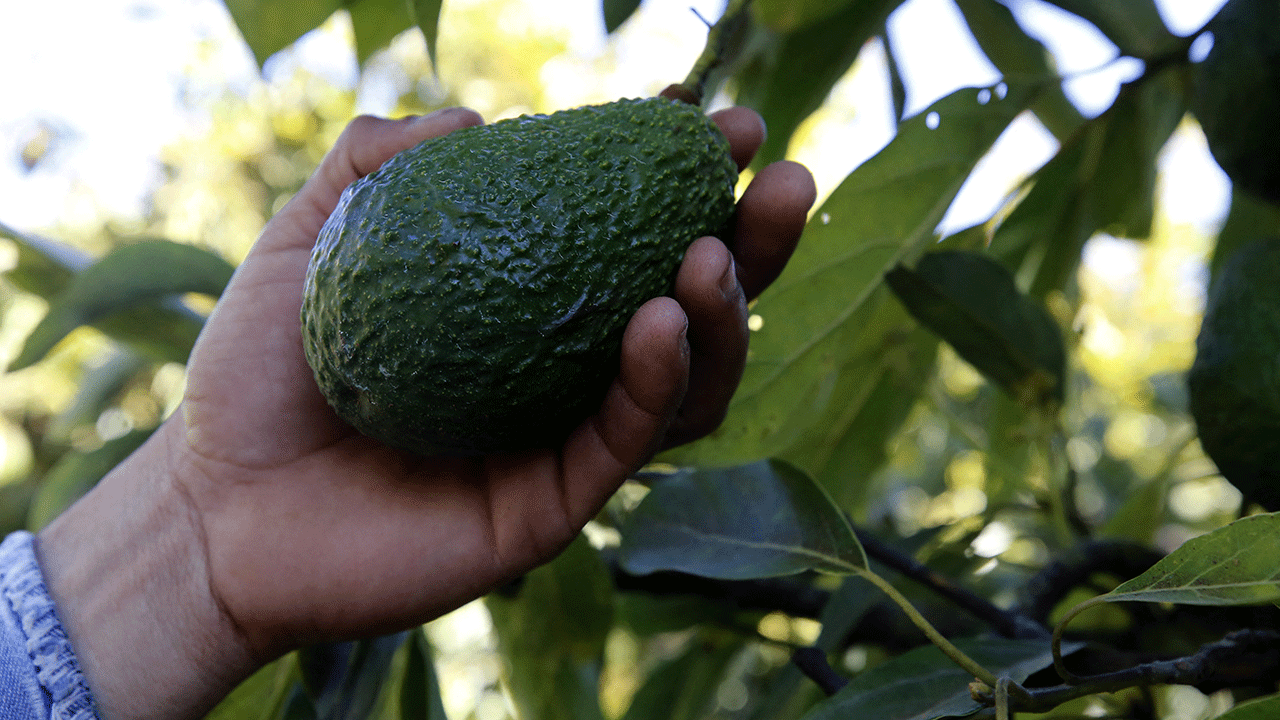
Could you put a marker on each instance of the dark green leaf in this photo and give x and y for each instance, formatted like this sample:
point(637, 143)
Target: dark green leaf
point(794, 75)
point(924, 684)
point(125, 277)
point(1133, 25)
point(617, 12)
point(420, 692)
point(375, 23)
point(76, 473)
point(1233, 565)
point(753, 521)
point(552, 636)
point(426, 13)
point(1103, 179)
point(269, 26)
point(1247, 220)
point(971, 302)
point(1023, 59)
point(823, 317)
point(684, 688)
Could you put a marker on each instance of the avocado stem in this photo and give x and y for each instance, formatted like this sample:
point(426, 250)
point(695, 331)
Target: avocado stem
point(719, 35)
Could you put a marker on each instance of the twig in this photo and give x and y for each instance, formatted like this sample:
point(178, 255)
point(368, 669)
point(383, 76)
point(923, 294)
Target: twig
point(1010, 624)
point(1046, 588)
point(812, 661)
point(1242, 657)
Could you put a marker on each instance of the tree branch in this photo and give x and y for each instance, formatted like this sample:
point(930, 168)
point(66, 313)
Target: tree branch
point(1010, 624)
point(1243, 657)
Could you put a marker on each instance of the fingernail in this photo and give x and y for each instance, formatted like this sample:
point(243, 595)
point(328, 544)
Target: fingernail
point(729, 281)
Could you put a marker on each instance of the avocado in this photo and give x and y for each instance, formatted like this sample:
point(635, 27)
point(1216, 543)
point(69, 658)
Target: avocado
point(470, 295)
point(1236, 95)
point(1234, 383)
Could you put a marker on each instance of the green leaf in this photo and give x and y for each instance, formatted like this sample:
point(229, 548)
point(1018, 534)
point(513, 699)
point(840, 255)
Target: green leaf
point(1263, 708)
point(426, 14)
point(262, 695)
point(617, 12)
point(44, 266)
point(1233, 565)
point(375, 23)
point(971, 302)
point(420, 692)
point(822, 320)
point(1022, 59)
point(269, 26)
point(1133, 25)
point(552, 635)
point(685, 687)
point(165, 330)
point(76, 473)
point(1103, 179)
point(125, 277)
point(96, 389)
point(924, 684)
point(759, 520)
point(845, 447)
point(790, 15)
point(796, 71)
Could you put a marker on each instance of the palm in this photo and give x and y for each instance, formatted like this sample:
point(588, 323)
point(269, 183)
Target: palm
point(316, 532)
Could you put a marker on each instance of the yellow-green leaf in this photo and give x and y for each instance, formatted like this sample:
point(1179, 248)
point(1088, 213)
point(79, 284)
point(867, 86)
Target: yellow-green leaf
point(1233, 565)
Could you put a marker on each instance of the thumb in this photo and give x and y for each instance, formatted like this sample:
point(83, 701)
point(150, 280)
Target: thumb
point(364, 145)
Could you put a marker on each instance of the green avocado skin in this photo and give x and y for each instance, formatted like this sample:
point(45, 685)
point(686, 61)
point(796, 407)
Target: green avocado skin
point(1234, 383)
point(470, 296)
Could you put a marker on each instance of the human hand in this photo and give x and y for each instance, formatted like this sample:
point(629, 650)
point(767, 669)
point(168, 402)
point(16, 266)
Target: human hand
point(273, 524)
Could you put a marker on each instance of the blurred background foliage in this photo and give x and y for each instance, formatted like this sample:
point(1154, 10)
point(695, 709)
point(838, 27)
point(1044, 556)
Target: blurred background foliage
point(960, 470)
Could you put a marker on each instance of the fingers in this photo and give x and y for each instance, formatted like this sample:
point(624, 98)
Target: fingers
point(636, 412)
point(770, 217)
point(708, 290)
point(745, 130)
point(369, 141)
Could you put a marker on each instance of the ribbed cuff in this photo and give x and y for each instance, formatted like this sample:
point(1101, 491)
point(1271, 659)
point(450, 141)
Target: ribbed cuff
point(23, 587)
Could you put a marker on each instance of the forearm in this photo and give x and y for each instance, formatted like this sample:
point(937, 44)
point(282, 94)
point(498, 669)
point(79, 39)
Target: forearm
point(126, 569)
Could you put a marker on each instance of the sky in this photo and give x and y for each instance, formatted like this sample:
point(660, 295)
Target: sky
point(107, 79)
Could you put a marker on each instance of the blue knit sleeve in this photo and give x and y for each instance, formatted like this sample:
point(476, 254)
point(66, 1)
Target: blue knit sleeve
point(39, 675)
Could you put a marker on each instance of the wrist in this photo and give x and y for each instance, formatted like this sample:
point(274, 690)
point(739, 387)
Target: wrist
point(128, 572)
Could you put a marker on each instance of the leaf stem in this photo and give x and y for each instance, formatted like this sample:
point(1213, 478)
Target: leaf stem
point(956, 654)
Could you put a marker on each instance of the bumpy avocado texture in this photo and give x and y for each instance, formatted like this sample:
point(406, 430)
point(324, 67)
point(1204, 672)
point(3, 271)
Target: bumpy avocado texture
point(470, 296)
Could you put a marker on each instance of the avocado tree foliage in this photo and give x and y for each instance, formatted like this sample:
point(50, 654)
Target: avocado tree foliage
point(784, 516)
